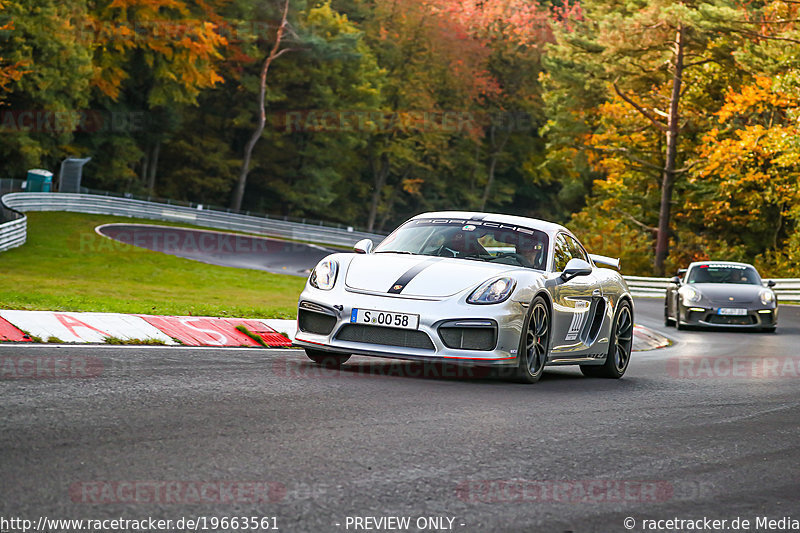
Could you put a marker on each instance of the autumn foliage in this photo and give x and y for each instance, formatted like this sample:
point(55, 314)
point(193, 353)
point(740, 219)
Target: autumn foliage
point(597, 114)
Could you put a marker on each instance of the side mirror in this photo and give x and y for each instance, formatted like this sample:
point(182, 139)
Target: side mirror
point(771, 284)
point(576, 267)
point(676, 280)
point(363, 246)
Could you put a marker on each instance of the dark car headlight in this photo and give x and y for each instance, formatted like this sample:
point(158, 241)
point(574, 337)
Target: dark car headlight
point(767, 297)
point(494, 291)
point(690, 295)
point(323, 276)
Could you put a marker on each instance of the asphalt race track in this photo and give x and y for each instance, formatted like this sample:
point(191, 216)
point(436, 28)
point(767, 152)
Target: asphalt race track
point(707, 428)
point(219, 248)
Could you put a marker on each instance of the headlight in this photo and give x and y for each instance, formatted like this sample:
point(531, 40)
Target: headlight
point(690, 295)
point(767, 297)
point(324, 275)
point(493, 291)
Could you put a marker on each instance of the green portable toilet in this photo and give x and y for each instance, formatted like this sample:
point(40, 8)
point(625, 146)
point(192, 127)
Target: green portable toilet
point(39, 180)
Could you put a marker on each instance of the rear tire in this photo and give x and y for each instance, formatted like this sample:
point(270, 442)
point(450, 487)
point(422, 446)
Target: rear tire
point(327, 359)
point(619, 350)
point(534, 344)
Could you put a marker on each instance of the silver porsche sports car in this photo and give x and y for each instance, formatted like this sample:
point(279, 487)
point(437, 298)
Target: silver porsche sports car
point(471, 288)
point(721, 294)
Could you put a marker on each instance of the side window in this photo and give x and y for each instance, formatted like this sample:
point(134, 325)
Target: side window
point(576, 251)
point(561, 253)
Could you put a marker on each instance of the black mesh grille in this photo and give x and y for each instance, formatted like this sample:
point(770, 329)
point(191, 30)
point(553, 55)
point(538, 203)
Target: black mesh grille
point(732, 320)
point(317, 323)
point(483, 339)
point(405, 338)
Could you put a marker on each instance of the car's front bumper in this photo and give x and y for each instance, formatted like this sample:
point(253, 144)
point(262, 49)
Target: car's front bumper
point(756, 317)
point(324, 323)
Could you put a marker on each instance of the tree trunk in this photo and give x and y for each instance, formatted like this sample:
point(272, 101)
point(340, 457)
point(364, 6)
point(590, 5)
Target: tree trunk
point(238, 194)
point(380, 173)
point(151, 180)
point(668, 178)
point(495, 154)
point(143, 172)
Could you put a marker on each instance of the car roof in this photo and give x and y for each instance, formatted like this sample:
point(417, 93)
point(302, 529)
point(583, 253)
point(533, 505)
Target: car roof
point(732, 263)
point(532, 223)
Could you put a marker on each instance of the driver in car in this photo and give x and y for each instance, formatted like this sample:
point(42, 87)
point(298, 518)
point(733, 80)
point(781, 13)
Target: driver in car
point(462, 244)
point(532, 251)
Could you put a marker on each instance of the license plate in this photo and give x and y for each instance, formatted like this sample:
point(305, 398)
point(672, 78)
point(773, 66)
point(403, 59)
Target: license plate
point(731, 311)
point(388, 319)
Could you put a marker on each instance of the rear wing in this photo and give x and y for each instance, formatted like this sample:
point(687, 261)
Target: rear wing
point(603, 261)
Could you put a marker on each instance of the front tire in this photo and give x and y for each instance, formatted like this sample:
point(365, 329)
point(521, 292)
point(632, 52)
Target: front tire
point(534, 344)
point(327, 359)
point(619, 351)
point(668, 322)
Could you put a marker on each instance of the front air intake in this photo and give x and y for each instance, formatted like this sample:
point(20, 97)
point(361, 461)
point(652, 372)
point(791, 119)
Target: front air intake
point(469, 335)
point(403, 338)
point(314, 322)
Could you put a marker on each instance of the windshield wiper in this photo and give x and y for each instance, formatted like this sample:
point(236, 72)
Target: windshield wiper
point(395, 252)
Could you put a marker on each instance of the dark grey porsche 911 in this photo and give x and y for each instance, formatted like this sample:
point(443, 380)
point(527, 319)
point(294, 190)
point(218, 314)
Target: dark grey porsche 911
point(721, 294)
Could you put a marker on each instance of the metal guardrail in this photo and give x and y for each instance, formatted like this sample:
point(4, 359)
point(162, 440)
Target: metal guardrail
point(787, 289)
point(13, 232)
point(13, 228)
point(111, 205)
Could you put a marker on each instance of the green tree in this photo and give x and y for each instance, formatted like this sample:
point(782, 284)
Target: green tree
point(670, 64)
point(41, 107)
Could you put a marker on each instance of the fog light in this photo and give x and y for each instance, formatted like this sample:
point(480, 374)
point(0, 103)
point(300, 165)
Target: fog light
point(765, 312)
point(697, 309)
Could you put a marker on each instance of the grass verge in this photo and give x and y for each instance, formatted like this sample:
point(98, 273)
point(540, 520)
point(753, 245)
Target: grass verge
point(66, 266)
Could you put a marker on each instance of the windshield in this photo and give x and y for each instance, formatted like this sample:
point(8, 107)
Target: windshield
point(474, 240)
point(741, 274)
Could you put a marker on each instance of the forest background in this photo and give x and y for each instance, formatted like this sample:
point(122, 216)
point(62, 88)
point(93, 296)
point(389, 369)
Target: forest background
point(660, 132)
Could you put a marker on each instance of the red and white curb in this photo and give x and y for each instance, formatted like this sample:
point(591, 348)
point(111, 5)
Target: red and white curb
point(53, 326)
point(70, 327)
point(645, 339)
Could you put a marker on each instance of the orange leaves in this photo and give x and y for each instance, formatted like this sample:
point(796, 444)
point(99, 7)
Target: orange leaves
point(455, 37)
point(622, 130)
point(413, 185)
point(525, 21)
point(754, 100)
point(185, 47)
point(9, 72)
point(752, 167)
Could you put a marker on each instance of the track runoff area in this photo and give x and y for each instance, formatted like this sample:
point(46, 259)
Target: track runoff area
point(701, 435)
